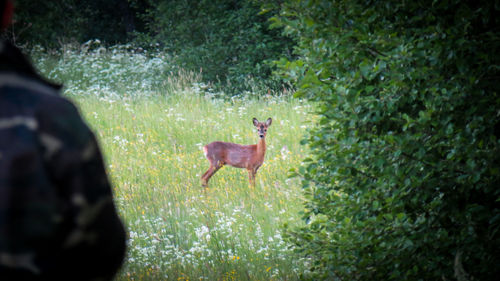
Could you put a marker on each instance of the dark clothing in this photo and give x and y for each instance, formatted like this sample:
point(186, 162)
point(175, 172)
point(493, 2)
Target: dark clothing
point(57, 216)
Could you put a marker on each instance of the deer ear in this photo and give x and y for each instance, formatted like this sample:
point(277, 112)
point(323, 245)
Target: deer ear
point(255, 121)
point(269, 121)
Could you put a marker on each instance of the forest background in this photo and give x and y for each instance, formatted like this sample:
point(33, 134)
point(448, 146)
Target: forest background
point(397, 174)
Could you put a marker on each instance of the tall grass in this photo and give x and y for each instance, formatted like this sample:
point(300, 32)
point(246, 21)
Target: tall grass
point(151, 129)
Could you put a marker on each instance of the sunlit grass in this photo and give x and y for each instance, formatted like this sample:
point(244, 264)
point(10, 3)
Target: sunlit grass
point(152, 146)
point(179, 230)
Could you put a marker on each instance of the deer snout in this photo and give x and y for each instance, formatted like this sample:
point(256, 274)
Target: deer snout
point(261, 136)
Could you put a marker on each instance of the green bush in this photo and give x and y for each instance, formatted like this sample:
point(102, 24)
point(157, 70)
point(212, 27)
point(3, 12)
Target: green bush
point(403, 182)
point(228, 41)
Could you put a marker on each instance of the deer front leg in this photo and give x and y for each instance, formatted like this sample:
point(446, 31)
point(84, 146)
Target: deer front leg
point(251, 176)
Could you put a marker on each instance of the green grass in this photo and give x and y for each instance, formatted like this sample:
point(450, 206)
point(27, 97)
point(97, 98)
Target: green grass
point(152, 140)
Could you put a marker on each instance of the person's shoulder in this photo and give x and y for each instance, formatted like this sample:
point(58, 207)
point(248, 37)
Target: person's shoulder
point(21, 87)
point(18, 75)
point(54, 113)
point(34, 92)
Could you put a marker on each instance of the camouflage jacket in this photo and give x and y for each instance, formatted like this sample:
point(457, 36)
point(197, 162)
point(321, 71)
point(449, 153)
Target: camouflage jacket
point(57, 216)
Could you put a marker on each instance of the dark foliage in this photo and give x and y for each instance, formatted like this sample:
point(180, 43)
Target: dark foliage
point(405, 174)
point(228, 41)
point(52, 23)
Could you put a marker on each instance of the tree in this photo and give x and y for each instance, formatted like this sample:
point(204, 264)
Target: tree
point(403, 181)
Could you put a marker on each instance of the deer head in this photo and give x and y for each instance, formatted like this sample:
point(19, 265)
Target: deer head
point(262, 126)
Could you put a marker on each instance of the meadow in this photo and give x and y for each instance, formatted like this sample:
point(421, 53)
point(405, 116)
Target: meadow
point(151, 120)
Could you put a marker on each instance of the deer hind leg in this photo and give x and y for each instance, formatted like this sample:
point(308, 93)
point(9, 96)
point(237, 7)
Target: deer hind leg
point(210, 172)
point(204, 182)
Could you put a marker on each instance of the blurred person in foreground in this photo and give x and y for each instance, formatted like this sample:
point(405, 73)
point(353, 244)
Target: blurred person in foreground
point(57, 216)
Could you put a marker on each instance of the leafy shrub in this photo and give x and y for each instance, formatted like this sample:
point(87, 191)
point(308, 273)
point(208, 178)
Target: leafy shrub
point(228, 41)
point(403, 183)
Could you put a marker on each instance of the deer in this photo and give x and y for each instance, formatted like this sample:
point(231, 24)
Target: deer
point(250, 157)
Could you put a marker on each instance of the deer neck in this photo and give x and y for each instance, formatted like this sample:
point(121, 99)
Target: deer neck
point(261, 147)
